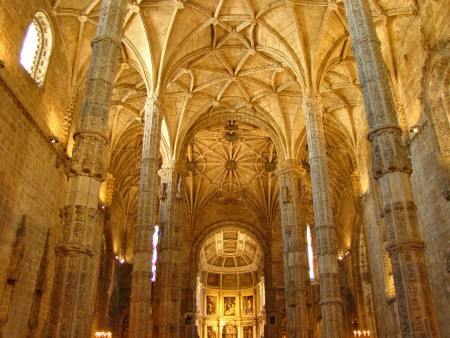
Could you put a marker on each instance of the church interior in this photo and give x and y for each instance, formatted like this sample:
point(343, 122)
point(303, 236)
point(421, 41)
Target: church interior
point(224, 168)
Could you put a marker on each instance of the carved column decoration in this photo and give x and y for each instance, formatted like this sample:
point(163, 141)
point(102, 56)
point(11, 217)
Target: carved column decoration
point(330, 298)
point(391, 167)
point(76, 267)
point(104, 288)
point(140, 307)
point(190, 306)
point(168, 278)
point(110, 184)
point(271, 328)
point(13, 272)
point(39, 289)
point(293, 222)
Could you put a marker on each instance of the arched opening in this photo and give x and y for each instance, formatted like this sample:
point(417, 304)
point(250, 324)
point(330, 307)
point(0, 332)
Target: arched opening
point(230, 286)
point(37, 47)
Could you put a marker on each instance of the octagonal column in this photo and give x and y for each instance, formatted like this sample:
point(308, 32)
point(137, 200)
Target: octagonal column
point(330, 298)
point(73, 294)
point(169, 266)
point(392, 168)
point(293, 222)
point(140, 307)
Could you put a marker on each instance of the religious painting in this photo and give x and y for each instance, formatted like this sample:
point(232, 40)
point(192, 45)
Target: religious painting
point(248, 331)
point(229, 306)
point(211, 302)
point(211, 332)
point(248, 305)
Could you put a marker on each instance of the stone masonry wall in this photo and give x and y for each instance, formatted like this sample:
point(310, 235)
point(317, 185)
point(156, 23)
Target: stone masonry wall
point(32, 178)
point(422, 36)
point(31, 185)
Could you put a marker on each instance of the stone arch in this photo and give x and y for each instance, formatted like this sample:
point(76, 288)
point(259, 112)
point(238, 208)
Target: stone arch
point(437, 102)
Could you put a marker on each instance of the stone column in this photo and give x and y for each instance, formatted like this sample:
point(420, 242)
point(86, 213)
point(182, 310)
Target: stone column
point(189, 308)
point(106, 275)
point(76, 267)
point(140, 307)
point(169, 266)
point(293, 222)
point(330, 298)
point(392, 168)
point(271, 327)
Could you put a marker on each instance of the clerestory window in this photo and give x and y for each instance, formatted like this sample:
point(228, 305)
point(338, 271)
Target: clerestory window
point(155, 252)
point(37, 47)
point(310, 253)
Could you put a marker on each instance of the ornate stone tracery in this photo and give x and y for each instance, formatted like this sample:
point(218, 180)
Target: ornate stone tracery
point(392, 168)
point(140, 307)
point(331, 302)
point(293, 222)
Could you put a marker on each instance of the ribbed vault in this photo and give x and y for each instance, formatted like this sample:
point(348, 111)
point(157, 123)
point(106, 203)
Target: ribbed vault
point(223, 58)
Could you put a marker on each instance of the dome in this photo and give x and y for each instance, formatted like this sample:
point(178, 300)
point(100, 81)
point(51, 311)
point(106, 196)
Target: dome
point(230, 259)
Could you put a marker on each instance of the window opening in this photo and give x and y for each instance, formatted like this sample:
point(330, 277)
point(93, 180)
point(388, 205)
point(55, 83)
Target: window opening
point(30, 47)
point(310, 253)
point(37, 47)
point(155, 252)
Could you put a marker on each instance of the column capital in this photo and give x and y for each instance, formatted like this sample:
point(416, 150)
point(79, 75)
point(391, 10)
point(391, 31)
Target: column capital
point(312, 103)
point(312, 98)
point(154, 101)
point(173, 166)
point(290, 165)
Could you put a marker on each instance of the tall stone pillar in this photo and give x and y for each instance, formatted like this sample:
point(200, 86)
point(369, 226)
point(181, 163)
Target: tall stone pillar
point(293, 222)
point(73, 294)
point(190, 280)
point(140, 307)
point(271, 328)
point(169, 266)
point(392, 168)
point(105, 275)
point(330, 298)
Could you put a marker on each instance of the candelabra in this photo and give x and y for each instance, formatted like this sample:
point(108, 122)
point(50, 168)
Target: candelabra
point(361, 333)
point(103, 334)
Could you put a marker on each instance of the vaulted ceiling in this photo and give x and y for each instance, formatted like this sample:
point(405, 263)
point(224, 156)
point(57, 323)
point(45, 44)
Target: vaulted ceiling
point(224, 63)
point(230, 259)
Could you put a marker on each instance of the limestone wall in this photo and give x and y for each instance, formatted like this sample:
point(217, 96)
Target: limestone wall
point(32, 178)
point(423, 43)
point(32, 183)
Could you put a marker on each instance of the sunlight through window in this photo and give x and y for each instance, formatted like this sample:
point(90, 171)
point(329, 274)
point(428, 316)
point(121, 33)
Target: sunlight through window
point(30, 48)
point(310, 253)
point(37, 47)
point(155, 252)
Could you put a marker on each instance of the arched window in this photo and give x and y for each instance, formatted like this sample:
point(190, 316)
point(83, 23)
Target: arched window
point(37, 47)
point(310, 253)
